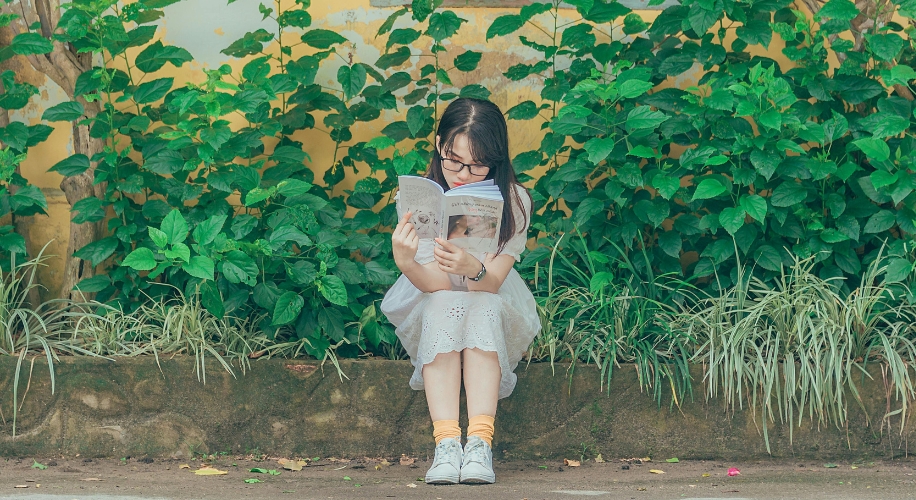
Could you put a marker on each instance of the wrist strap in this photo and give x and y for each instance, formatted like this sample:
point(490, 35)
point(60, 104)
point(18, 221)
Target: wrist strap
point(480, 274)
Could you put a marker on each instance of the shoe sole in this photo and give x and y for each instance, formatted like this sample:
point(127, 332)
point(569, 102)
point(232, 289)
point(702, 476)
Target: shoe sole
point(478, 480)
point(442, 481)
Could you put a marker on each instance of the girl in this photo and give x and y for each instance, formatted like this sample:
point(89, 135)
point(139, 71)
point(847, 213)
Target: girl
point(463, 316)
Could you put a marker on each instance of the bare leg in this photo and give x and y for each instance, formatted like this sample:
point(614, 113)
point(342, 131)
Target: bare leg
point(442, 383)
point(481, 381)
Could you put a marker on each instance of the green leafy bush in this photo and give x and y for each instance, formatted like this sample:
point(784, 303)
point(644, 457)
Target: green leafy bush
point(208, 189)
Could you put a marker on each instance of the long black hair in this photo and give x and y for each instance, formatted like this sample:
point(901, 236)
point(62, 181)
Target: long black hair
point(488, 139)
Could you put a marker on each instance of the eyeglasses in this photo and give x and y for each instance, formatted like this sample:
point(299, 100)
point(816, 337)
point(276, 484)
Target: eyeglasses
point(476, 170)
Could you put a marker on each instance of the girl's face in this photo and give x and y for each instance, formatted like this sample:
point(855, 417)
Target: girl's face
point(459, 167)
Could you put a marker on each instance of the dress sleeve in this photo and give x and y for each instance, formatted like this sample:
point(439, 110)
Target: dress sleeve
point(516, 245)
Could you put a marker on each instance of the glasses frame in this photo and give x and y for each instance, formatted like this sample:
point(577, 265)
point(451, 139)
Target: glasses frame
point(443, 160)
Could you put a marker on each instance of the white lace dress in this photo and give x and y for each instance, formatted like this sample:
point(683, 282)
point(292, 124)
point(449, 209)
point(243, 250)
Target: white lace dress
point(452, 320)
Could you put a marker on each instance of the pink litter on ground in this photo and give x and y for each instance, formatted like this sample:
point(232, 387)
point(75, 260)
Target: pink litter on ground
point(733, 472)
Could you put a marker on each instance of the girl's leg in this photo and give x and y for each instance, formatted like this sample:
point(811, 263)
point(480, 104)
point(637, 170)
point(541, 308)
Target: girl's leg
point(442, 384)
point(481, 385)
point(481, 381)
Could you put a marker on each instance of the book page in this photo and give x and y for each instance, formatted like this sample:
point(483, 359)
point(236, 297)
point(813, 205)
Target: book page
point(473, 223)
point(423, 197)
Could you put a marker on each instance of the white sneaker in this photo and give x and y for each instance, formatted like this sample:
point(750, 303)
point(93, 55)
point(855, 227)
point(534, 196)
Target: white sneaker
point(447, 464)
point(477, 466)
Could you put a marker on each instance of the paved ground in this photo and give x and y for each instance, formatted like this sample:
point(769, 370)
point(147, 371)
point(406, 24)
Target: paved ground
point(74, 478)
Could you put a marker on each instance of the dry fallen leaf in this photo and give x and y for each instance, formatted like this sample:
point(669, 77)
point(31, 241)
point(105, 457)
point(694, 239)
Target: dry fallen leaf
point(210, 471)
point(570, 463)
point(412, 485)
point(656, 471)
point(706, 475)
point(294, 465)
point(405, 460)
point(90, 479)
point(384, 463)
point(640, 489)
point(378, 467)
point(184, 466)
point(599, 459)
point(21, 486)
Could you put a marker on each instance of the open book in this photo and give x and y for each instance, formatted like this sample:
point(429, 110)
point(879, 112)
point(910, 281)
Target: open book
point(468, 216)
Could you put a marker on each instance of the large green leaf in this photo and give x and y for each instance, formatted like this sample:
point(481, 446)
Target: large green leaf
point(732, 219)
point(165, 161)
point(880, 222)
point(322, 39)
point(97, 251)
point(898, 269)
point(874, 148)
point(670, 243)
point(768, 258)
point(287, 308)
point(788, 194)
point(599, 149)
point(352, 79)
point(467, 61)
point(175, 227)
point(586, 209)
point(701, 18)
point(206, 231)
point(443, 25)
point(153, 91)
point(634, 88)
point(63, 112)
point(155, 55)
point(211, 299)
point(333, 289)
point(201, 267)
point(666, 185)
point(642, 117)
point(141, 259)
point(523, 111)
point(238, 267)
point(417, 117)
point(755, 206)
point(71, 165)
point(504, 25)
point(886, 46)
point(708, 188)
point(841, 10)
point(26, 44)
point(475, 91)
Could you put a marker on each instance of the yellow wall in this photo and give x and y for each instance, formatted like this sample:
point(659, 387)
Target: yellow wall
point(204, 27)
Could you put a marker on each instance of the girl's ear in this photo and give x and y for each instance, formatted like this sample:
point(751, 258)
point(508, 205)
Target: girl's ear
point(438, 140)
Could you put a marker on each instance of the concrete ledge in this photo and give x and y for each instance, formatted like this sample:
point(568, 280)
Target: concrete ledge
point(131, 408)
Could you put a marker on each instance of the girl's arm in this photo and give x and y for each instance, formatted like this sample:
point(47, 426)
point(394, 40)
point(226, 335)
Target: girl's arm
point(455, 260)
point(404, 244)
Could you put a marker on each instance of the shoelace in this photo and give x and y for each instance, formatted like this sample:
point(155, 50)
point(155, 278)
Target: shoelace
point(476, 453)
point(446, 452)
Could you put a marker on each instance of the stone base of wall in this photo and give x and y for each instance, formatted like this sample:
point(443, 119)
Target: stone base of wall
point(134, 407)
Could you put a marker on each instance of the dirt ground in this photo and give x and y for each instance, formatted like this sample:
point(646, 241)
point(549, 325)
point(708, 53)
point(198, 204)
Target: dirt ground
point(84, 479)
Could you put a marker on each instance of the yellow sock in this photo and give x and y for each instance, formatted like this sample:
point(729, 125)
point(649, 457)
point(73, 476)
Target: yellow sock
point(482, 427)
point(443, 429)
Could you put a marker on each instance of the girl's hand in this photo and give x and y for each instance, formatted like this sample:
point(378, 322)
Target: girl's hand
point(454, 260)
point(404, 242)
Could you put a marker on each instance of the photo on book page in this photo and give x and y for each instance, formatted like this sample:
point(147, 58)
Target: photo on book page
point(472, 226)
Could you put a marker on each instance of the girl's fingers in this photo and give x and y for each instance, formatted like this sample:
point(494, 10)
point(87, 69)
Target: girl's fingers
point(404, 222)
